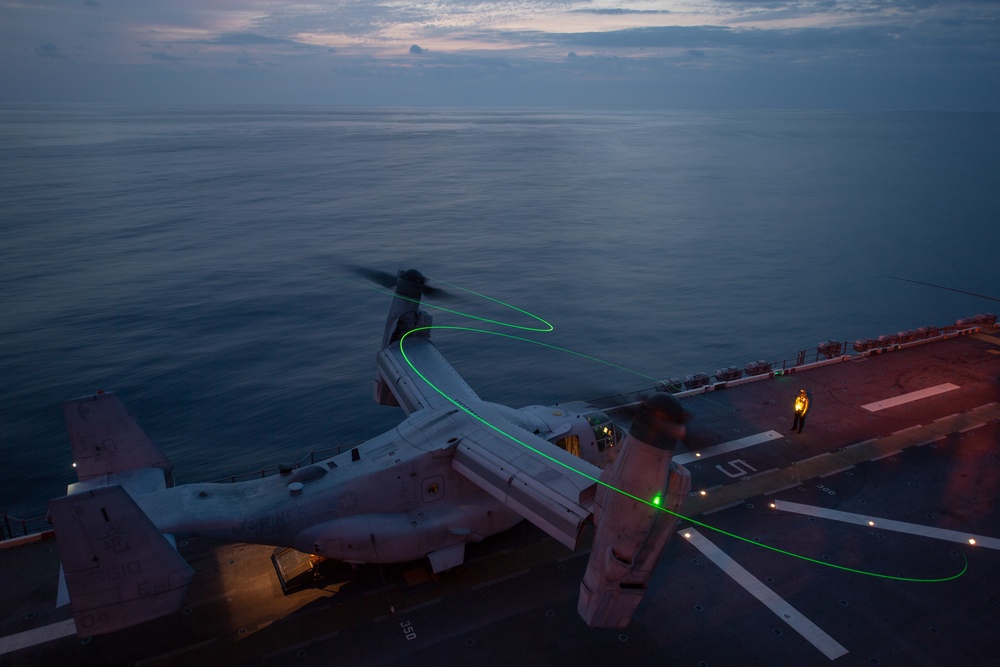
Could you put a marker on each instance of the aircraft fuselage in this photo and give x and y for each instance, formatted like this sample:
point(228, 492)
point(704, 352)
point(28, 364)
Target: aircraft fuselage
point(394, 498)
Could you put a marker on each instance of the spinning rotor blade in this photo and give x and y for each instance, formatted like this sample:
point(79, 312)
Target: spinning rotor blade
point(950, 289)
point(386, 279)
point(436, 292)
point(625, 405)
point(620, 404)
point(383, 278)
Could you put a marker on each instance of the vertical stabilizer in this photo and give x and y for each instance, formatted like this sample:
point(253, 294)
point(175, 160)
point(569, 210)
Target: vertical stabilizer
point(120, 570)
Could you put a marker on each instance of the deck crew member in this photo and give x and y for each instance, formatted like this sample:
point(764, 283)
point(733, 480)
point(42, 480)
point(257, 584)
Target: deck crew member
point(801, 408)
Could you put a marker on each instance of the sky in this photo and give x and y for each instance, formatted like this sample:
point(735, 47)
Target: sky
point(632, 54)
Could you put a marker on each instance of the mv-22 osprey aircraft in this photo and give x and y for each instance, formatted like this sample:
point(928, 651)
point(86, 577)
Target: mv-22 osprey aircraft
point(456, 470)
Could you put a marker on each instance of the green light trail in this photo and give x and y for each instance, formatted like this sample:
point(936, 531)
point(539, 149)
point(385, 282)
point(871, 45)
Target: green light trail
point(517, 338)
point(544, 328)
point(655, 503)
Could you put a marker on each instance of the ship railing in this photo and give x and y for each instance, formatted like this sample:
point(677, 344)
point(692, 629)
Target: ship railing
point(827, 352)
point(696, 383)
point(11, 527)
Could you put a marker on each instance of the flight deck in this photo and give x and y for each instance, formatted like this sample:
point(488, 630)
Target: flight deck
point(870, 538)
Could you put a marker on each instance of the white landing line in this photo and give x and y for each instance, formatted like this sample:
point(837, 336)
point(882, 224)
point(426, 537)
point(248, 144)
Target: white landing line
point(508, 577)
point(786, 612)
point(730, 446)
point(912, 396)
point(37, 636)
point(889, 524)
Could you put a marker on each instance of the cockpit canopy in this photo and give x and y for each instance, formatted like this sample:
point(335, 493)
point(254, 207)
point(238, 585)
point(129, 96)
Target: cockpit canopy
point(606, 433)
point(592, 438)
point(578, 428)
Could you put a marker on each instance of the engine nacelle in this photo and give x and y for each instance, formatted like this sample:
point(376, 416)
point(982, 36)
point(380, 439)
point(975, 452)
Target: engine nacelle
point(632, 528)
point(404, 316)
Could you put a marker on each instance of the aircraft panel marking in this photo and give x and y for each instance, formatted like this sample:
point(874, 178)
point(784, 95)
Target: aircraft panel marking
point(907, 398)
point(888, 524)
point(731, 446)
point(786, 612)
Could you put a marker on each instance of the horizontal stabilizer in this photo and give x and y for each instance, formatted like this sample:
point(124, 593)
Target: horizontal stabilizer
point(107, 439)
point(120, 570)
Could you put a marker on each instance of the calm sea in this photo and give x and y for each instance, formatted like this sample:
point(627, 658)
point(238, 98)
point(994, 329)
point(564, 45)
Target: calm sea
point(189, 258)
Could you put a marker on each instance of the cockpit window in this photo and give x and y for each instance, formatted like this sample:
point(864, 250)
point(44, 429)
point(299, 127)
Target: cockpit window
point(606, 432)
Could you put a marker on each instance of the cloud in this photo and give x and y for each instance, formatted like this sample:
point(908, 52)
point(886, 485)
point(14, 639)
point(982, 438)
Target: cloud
point(928, 41)
point(159, 55)
point(712, 37)
point(620, 12)
point(248, 39)
point(359, 18)
point(48, 50)
point(472, 49)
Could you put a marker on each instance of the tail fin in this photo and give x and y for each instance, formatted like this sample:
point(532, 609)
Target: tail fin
point(120, 570)
point(107, 439)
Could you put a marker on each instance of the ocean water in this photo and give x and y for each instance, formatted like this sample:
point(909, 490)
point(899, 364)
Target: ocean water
point(193, 259)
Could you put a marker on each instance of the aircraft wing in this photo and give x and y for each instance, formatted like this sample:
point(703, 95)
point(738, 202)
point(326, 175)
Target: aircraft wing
point(413, 392)
point(546, 485)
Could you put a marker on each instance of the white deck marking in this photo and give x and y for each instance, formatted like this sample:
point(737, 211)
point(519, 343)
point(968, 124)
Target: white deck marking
point(37, 636)
point(888, 524)
point(731, 446)
point(912, 396)
point(508, 577)
point(786, 612)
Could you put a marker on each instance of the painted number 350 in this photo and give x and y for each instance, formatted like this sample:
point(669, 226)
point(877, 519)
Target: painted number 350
point(408, 630)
